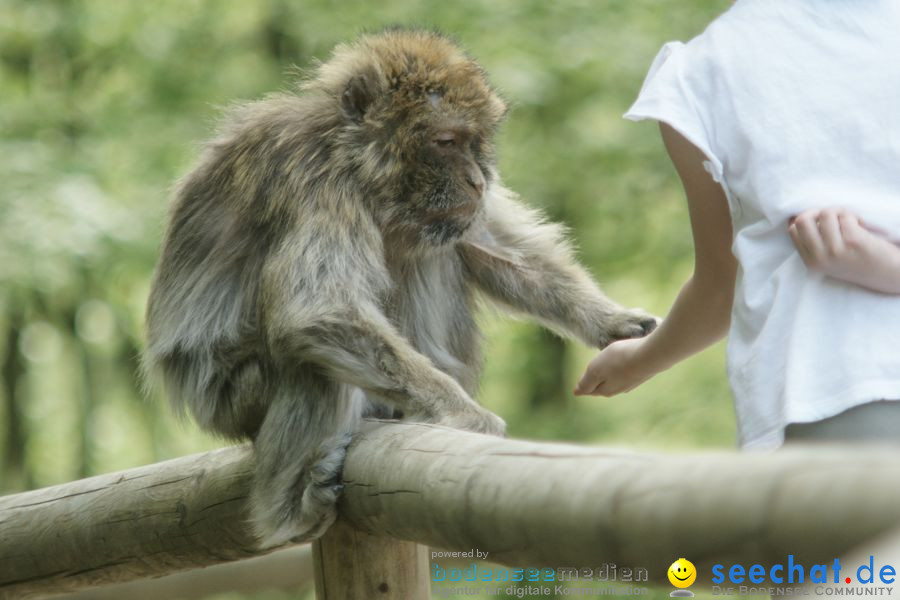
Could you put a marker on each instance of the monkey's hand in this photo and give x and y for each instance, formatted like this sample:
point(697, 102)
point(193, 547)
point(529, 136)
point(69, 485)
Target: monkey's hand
point(443, 401)
point(475, 419)
point(630, 323)
point(461, 412)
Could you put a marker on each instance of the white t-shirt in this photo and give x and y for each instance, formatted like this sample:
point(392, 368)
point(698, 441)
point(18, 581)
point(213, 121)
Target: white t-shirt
point(796, 104)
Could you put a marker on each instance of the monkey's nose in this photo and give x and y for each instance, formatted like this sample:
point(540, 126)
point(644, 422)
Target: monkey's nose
point(476, 180)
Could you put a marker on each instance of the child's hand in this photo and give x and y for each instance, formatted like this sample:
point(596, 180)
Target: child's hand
point(835, 242)
point(617, 368)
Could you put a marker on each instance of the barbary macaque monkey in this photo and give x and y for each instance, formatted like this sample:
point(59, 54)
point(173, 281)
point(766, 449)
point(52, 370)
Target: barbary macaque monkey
point(323, 258)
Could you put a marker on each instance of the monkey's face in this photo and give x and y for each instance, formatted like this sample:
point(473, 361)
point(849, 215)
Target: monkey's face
point(445, 179)
point(437, 161)
point(422, 118)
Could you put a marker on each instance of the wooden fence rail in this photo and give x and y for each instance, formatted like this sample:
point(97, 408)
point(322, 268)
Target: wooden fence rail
point(522, 503)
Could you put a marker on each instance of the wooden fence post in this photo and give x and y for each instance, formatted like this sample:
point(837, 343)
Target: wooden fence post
point(349, 563)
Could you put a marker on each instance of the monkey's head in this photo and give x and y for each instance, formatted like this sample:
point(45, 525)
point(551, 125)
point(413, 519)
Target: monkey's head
point(417, 123)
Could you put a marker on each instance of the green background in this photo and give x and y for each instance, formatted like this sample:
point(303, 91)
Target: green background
point(104, 103)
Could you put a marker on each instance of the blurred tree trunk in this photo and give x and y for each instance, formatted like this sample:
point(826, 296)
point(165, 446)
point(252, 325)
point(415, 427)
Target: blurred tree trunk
point(87, 367)
point(546, 370)
point(279, 38)
point(15, 472)
point(87, 393)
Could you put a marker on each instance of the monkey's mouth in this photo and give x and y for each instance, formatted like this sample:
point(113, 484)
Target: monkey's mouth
point(447, 227)
point(447, 215)
point(462, 212)
point(440, 233)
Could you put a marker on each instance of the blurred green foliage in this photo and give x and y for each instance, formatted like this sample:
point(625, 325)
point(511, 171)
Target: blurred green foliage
point(103, 104)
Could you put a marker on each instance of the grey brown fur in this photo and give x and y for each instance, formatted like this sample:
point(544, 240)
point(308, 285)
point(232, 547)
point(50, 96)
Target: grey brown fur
point(324, 256)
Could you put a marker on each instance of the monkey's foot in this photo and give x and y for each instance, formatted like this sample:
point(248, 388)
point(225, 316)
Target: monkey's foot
point(314, 510)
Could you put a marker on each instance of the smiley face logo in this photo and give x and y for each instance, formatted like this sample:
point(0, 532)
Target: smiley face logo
point(682, 573)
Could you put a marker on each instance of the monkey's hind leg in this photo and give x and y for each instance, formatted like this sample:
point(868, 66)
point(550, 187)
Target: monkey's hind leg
point(300, 453)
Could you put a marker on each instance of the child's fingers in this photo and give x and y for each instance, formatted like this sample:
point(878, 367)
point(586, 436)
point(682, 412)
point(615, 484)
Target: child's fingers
point(595, 391)
point(829, 229)
point(595, 376)
point(587, 389)
point(808, 239)
point(798, 243)
point(852, 229)
point(589, 382)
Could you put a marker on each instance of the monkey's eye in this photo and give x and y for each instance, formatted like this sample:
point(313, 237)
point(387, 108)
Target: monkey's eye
point(445, 140)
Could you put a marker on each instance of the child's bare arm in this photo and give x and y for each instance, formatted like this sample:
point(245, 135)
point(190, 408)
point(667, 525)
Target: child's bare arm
point(701, 313)
point(835, 242)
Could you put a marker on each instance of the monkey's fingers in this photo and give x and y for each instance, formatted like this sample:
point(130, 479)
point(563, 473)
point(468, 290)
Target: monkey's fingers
point(476, 419)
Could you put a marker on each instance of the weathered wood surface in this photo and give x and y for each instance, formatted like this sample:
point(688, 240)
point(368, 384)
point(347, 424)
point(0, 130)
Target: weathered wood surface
point(354, 564)
point(538, 504)
point(171, 516)
point(288, 570)
point(526, 504)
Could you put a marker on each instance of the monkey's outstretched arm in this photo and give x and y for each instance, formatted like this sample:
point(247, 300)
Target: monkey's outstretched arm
point(525, 263)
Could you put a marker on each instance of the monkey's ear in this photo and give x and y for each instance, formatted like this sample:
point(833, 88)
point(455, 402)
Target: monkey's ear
point(357, 97)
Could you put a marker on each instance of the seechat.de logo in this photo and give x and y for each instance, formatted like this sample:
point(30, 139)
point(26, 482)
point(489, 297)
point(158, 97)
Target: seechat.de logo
point(682, 574)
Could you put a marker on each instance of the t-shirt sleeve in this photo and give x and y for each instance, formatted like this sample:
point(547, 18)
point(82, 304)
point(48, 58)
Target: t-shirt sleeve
point(673, 94)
